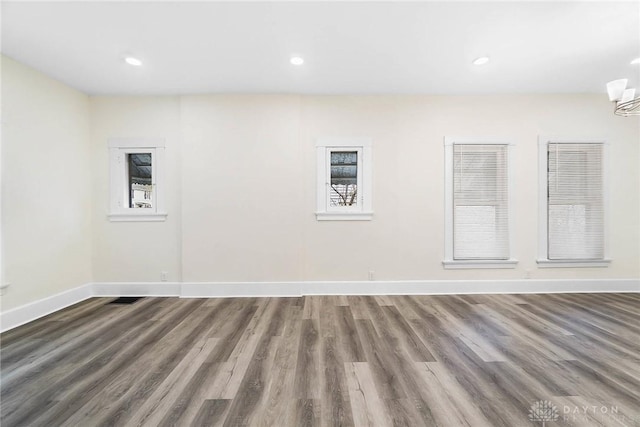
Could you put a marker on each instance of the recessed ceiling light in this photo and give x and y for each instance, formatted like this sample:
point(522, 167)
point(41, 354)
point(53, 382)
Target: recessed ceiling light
point(297, 60)
point(635, 61)
point(131, 60)
point(481, 61)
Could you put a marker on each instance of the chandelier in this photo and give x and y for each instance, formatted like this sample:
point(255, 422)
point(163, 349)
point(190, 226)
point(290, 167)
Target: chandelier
point(627, 104)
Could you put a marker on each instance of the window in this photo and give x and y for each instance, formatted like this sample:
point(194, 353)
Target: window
point(572, 204)
point(477, 217)
point(137, 181)
point(344, 179)
point(139, 167)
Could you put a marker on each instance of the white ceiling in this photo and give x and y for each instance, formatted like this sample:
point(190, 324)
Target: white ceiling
point(349, 47)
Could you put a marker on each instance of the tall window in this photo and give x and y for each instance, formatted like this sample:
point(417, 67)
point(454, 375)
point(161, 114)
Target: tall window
point(478, 211)
point(137, 179)
point(572, 203)
point(344, 179)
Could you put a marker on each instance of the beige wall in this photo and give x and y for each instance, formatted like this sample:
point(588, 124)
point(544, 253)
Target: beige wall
point(242, 192)
point(46, 186)
point(135, 251)
point(249, 184)
point(246, 193)
point(241, 185)
point(406, 240)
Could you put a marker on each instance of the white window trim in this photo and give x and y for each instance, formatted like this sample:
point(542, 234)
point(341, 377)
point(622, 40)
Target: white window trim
point(543, 255)
point(363, 212)
point(118, 148)
point(449, 262)
point(484, 263)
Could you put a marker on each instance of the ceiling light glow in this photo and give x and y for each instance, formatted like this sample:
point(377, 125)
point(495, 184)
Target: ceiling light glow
point(131, 60)
point(481, 60)
point(297, 60)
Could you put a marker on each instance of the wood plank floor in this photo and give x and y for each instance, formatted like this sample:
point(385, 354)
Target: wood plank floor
point(480, 360)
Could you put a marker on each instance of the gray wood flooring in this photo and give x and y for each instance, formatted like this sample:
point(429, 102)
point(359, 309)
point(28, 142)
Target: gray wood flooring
point(481, 360)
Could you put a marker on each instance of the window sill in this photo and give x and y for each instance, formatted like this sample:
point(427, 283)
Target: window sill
point(344, 216)
point(489, 263)
point(137, 217)
point(579, 263)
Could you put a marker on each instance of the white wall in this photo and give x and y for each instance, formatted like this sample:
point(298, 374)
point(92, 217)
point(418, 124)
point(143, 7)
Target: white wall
point(241, 185)
point(135, 251)
point(46, 186)
point(406, 241)
point(242, 193)
point(246, 196)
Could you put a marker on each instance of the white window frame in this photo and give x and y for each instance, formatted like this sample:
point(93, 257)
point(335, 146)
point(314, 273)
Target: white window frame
point(543, 254)
point(363, 210)
point(119, 148)
point(449, 262)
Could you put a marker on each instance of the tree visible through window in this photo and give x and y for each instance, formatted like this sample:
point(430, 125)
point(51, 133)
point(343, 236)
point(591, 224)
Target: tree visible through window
point(344, 178)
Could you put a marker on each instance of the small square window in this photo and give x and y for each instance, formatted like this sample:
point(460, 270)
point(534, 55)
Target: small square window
point(344, 179)
point(137, 180)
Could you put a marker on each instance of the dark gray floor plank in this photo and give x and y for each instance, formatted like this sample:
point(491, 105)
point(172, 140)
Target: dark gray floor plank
point(307, 379)
point(211, 413)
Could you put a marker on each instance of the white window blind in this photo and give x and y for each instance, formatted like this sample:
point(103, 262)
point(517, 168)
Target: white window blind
point(575, 208)
point(480, 202)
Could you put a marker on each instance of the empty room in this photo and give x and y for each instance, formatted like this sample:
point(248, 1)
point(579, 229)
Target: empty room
point(327, 213)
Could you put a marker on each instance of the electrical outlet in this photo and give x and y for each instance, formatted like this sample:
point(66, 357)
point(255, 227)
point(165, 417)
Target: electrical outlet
point(527, 274)
point(163, 276)
point(372, 275)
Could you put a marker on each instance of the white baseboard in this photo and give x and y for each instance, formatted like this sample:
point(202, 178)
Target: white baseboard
point(241, 289)
point(32, 311)
point(136, 289)
point(24, 314)
point(405, 287)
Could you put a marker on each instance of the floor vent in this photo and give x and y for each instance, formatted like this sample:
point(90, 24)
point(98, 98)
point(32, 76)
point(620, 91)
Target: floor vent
point(125, 300)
